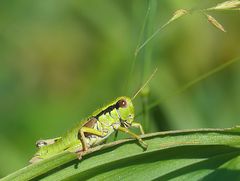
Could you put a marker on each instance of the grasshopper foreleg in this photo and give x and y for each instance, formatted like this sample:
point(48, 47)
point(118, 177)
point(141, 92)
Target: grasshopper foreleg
point(125, 130)
point(139, 126)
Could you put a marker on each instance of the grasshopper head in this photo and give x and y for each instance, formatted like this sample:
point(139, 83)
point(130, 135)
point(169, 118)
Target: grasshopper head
point(125, 110)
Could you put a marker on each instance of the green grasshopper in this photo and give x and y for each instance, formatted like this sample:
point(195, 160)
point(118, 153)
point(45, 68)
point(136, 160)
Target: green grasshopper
point(116, 116)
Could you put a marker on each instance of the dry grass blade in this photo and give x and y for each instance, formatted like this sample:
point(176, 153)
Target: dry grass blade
point(215, 23)
point(227, 5)
point(177, 14)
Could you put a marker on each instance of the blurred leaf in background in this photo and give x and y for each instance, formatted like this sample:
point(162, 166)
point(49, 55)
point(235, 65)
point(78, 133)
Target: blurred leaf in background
point(61, 60)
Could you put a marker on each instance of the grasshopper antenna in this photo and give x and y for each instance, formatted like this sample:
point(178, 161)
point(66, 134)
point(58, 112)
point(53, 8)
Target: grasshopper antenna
point(144, 85)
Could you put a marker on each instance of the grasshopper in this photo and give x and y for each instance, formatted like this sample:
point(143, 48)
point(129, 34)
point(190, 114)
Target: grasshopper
point(115, 116)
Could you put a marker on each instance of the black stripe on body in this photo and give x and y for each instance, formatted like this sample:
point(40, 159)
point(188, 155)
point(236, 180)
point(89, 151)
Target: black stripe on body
point(107, 110)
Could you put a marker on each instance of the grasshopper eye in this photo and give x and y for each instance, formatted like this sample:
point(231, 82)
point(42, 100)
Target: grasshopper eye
point(122, 103)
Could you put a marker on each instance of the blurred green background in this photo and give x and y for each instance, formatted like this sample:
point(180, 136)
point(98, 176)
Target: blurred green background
point(61, 60)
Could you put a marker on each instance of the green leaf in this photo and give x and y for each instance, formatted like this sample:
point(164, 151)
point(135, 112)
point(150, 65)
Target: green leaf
point(208, 154)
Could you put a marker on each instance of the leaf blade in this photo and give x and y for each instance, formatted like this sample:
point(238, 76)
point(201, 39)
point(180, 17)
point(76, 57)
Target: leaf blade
point(201, 144)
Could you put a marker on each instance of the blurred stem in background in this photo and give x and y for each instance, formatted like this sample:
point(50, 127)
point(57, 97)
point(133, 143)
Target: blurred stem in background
point(145, 58)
